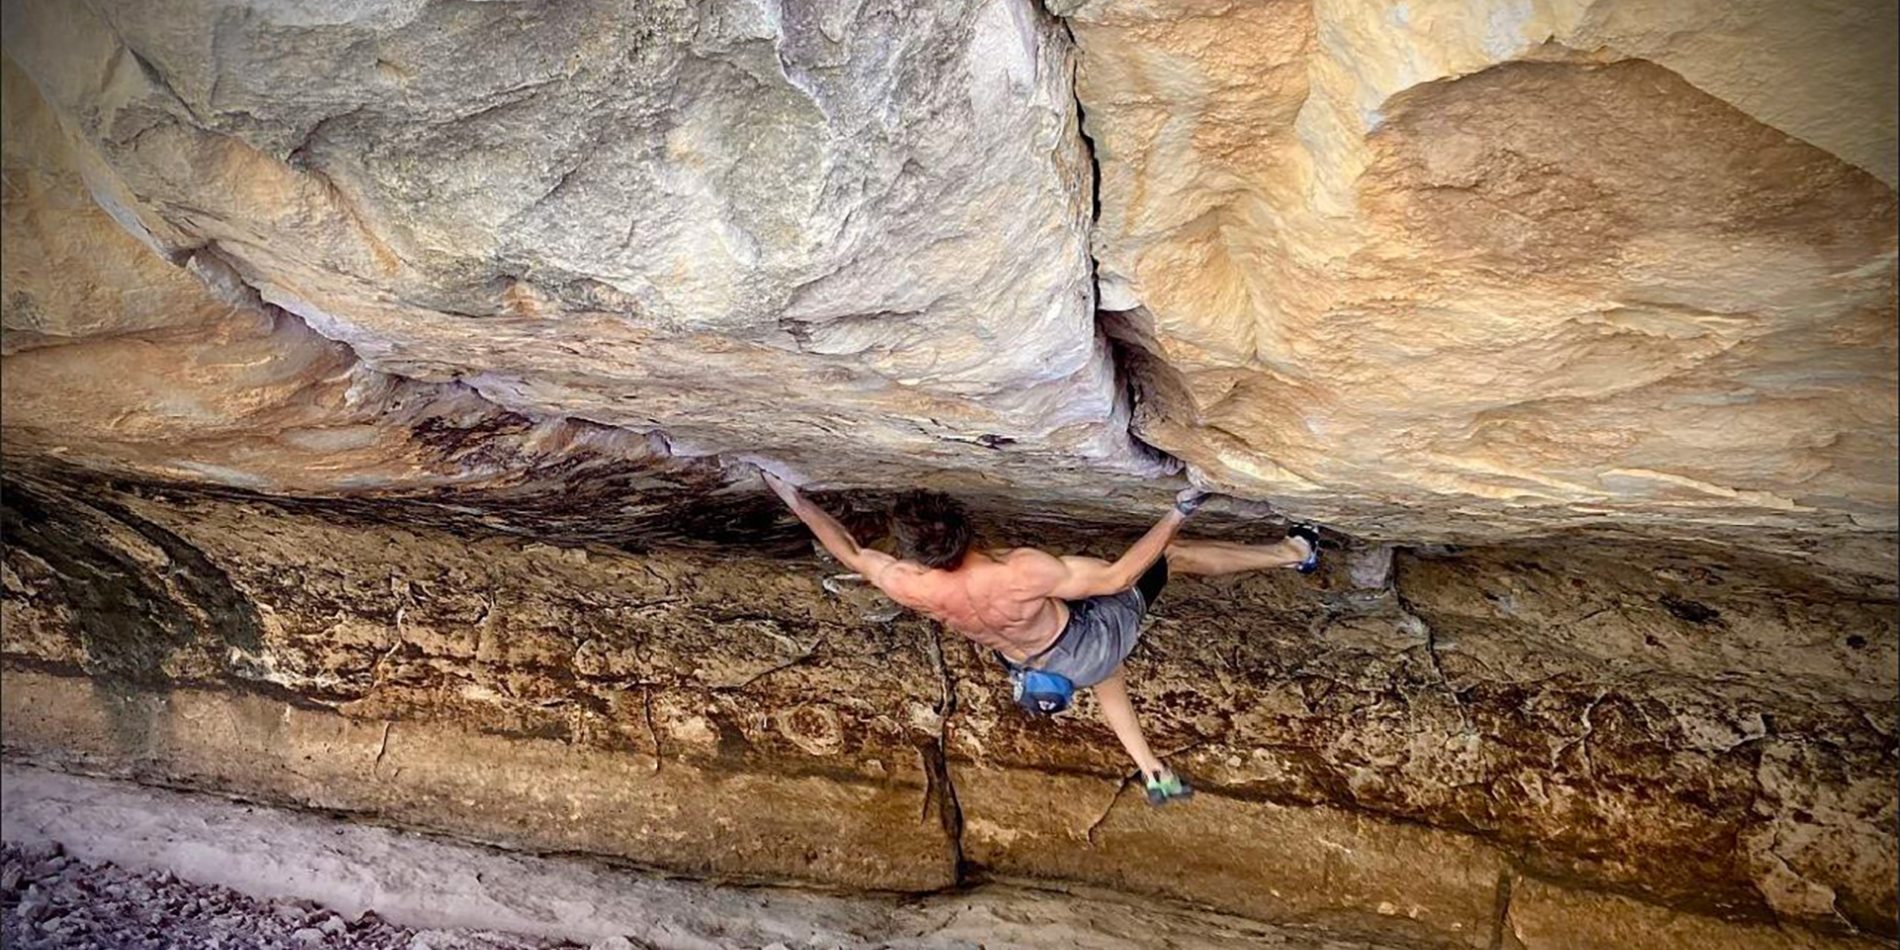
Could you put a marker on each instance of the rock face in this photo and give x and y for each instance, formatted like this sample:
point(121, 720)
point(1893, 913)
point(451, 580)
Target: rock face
point(1436, 270)
point(1552, 265)
point(758, 229)
point(511, 901)
point(370, 370)
point(1379, 761)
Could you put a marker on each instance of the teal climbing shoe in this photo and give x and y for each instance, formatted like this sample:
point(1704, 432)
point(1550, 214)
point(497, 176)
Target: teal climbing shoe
point(1165, 788)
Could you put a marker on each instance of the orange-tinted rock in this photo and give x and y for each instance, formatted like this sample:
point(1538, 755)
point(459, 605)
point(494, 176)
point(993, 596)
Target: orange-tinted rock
point(1461, 270)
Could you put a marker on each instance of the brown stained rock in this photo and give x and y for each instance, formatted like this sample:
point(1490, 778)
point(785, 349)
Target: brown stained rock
point(1793, 842)
point(1709, 734)
point(1549, 705)
point(1335, 871)
point(1547, 916)
point(477, 688)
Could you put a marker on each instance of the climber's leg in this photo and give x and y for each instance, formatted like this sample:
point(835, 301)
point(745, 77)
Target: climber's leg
point(1226, 557)
point(1112, 693)
point(1158, 782)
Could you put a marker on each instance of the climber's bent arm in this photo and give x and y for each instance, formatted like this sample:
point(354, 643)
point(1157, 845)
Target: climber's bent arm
point(1074, 578)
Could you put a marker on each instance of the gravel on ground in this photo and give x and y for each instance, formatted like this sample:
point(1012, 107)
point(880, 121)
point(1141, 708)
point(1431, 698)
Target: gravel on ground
point(53, 900)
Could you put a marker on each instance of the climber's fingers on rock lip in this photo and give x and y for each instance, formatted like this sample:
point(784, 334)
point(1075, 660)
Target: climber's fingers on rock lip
point(779, 485)
point(1189, 500)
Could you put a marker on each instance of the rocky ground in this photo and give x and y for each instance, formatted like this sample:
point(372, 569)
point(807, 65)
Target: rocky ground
point(52, 899)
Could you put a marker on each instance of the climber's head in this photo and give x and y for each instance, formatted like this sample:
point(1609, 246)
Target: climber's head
point(931, 529)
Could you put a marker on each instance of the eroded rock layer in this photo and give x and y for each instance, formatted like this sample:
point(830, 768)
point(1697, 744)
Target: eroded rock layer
point(856, 243)
point(1652, 723)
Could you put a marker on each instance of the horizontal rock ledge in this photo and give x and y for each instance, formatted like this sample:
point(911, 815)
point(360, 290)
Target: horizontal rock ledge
point(1316, 869)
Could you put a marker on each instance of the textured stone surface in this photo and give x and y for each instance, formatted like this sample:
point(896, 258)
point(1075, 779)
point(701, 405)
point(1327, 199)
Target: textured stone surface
point(1441, 270)
point(1335, 870)
point(784, 232)
point(424, 882)
point(1532, 264)
point(497, 780)
point(1534, 697)
point(1547, 917)
point(1718, 738)
point(182, 373)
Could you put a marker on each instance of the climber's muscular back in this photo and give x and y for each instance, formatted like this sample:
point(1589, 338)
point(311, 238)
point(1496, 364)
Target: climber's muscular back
point(1000, 599)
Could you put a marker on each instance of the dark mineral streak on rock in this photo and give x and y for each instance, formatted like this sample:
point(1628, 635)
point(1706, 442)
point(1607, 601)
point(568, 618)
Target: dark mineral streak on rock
point(132, 608)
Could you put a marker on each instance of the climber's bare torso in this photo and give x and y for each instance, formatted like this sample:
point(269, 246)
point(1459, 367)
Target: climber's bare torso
point(999, 599)
point(1017, 601)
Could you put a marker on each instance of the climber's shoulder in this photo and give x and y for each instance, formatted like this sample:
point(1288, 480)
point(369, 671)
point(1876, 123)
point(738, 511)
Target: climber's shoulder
point(1029, 566)
point(1015, 558)
point(904, 580)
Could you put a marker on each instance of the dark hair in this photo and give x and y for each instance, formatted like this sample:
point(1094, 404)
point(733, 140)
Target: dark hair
point(931, 528)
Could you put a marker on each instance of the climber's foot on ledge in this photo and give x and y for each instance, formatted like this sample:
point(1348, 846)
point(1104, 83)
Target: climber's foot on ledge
point(1309, 534)
point(1166, 787)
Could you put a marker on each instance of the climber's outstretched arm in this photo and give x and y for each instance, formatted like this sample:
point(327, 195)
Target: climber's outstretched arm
point(866, 561)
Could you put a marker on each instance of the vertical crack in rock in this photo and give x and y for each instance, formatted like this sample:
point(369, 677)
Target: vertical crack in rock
point(653, 728)
point(1581, 741)
point(1500, 915)
point(382, 750)
point(1438, 667)
point(940, 790)
point(1131, 359)
point(1412, 618)
point(1088, 144)
point(1108, 810)
point(376, 668)
point(1129, 780)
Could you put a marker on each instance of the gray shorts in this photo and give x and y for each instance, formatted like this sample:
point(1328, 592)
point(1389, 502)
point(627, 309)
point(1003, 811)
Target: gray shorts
point(1102, 631)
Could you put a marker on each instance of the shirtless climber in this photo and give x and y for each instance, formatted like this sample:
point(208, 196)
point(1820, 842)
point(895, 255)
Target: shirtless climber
point(1057, 623)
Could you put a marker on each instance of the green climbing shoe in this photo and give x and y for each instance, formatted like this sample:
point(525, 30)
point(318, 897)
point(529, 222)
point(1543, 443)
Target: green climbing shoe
point(1165, 788)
